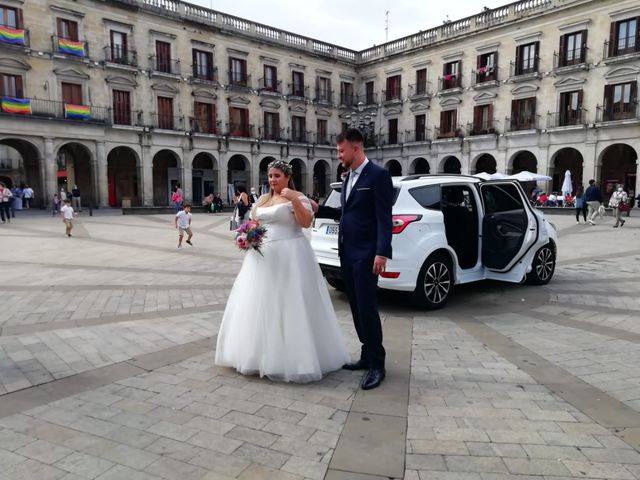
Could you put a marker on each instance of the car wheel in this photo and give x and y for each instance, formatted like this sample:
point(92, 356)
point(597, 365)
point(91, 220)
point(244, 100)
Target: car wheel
point(435, 282)
point(543, 266)
point(337, 284)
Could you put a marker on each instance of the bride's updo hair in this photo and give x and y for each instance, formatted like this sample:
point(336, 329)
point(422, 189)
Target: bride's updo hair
point(287, 170)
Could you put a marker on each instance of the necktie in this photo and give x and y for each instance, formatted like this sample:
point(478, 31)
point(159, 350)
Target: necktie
point(351, 179)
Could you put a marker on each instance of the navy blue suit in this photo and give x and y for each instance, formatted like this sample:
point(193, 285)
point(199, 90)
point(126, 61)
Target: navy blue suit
point(365, 231)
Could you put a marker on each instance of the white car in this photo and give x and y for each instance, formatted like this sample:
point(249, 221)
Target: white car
point(452, 229)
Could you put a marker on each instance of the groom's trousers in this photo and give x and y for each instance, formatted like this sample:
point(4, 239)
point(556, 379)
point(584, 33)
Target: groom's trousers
point(361, 288)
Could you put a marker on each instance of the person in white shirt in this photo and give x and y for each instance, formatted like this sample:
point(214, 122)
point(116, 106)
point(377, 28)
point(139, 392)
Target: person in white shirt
point(27, 196)
point(183, 224)
point(67, 215)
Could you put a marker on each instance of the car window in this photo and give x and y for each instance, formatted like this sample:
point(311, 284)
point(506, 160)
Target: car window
point(501, 198)
point(427, 196)
point(333, 200)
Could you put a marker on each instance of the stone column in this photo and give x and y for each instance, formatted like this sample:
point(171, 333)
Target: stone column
point(49, 169)
point(101, 176)
point(186, 176)
point(589, 163)
point(147, 177)
point(222, 176)
point(307, 180)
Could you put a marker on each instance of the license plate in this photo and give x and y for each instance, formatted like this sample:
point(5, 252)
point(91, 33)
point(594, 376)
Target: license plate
point(333, 229)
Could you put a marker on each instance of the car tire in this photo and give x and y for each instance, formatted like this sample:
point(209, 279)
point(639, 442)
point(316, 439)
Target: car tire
point(435, 282)
point(337, 284)
point(543, 265)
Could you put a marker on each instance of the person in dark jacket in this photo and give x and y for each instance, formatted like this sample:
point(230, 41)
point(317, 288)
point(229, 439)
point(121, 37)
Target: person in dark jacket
point(593, 197)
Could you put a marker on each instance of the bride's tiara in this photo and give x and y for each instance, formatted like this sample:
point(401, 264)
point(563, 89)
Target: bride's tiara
point(282, 166)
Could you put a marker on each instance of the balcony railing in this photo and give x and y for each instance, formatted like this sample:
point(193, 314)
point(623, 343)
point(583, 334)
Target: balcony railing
point(121, 56)
point(393, 95)
point(621, 46)
point(242, 130)
point(517, 69)
point(442, 134)
point(271, 133)
point(70, 48)
point(298, 136)
point(449, 82)
point(421, 135)
point(36, 107)
point(567, 118)
point(270, 85)
point(163, 121)
point(484, 75)
point(628, 111)
point(324, 96)
point(486, 127)
point(348, 99)
point(127, 117)
point(419, 90)
point(165, 65)
point(523, 122)
point(18, 38)
point(239, 79)
point(367, 99)
point(204, 73)
point(324, 138)
point(390, 138)
point(298, 91)
point(201, 125)
point(567, 58)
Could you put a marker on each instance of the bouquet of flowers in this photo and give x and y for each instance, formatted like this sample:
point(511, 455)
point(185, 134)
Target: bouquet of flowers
point(250, 235)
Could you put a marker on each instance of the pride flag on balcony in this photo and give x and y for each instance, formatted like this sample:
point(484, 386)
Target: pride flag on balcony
point(16, 105)
point(12, 35)
point(71, 47)
point(77, 112)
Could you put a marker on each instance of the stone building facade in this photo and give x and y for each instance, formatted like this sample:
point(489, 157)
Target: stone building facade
point(126, 98)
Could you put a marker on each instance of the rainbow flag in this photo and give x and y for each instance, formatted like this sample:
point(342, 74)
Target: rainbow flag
point(77, 112)
point(12, 35)
point(16, 105)
point(71, 47)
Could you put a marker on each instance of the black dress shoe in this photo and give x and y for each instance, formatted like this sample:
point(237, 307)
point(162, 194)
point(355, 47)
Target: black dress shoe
point(373, 378)
point(359, 365)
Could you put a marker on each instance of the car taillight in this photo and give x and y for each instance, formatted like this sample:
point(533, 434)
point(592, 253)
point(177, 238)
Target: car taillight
point(400, 222)
point(389, 274)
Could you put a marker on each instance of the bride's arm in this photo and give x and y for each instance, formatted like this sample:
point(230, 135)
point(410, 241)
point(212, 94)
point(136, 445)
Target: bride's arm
point(301, 207)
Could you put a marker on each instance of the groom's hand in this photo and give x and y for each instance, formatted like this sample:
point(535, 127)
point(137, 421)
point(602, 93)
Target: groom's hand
point(379, 265)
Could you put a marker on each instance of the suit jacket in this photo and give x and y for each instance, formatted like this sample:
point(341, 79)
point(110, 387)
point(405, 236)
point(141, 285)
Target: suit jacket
point(365, 217)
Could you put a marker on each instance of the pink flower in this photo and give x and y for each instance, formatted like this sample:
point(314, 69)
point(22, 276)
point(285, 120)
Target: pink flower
point(241, 241)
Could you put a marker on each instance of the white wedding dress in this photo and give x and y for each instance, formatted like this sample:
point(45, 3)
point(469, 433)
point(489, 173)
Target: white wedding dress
point(279, 321)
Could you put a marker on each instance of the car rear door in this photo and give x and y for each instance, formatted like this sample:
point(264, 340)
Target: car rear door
point(509, 230)
point(324, 238)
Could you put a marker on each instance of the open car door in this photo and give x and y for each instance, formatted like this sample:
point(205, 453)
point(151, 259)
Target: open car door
point(509, 231)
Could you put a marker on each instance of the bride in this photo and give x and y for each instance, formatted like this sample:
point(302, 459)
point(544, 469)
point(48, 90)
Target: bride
point(279, 321)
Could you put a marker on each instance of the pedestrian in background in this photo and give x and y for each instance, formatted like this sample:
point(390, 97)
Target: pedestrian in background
point(593, 197)
point(176, 197)
point(5, 203)
point(27, 196)
point(618, 202)
point(183, 224)
point(580, 204)
point(75, 198)
point(67, 214)
point(55, 205)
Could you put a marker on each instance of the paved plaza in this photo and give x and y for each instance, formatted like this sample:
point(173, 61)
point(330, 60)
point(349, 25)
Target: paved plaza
point(106, 367)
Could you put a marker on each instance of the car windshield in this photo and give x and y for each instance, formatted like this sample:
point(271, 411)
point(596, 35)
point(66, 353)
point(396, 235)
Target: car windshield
point(333, 200)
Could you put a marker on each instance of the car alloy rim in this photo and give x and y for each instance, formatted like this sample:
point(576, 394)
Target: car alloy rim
point(437, 282)
point(544, 268)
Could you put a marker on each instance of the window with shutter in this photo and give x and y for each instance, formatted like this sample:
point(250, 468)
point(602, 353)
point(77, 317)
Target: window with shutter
point(121, 107)
point(369, 93)
point(163, 57)
point(626, 34)
point(72, 93)
point(270, 78)
point(11, 85)
point(297, 84)
point(421, 128)
point(393, 131)
point(322, 131)
point(421, 81)
point(9, 17)
point(165, 113)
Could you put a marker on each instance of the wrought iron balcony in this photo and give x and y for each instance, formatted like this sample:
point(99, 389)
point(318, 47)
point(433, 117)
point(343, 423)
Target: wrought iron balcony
point(204, 125)
point(299, 136)
point(323, 96)
point(621, 47)
point(271, 133)
point(77, 49)
point(393, 138)
point(486, 127)
point(270, 85)
point(19, 37)
point(421, 135)
point(297, 91)
point(449, 133)
point(518, 69)
point(243, 130)
point(484, 75)
point(39, 108)
point(522, 122)
point(419, 90)
point(127, 117)
point(393, 95)
point(571, 57)
point(204, 74)
point(449, 82)
point(165, 65)
point(348, 99)
point(164, 121)
point(628, 111)
point(566, 118)
point(239, 79)
point(121, 56)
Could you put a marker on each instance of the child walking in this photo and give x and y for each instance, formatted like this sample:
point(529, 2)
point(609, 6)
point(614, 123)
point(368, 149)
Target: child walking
point(67, 214)
point(183, 224)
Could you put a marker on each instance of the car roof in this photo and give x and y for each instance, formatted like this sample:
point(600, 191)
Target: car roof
point(426, 179)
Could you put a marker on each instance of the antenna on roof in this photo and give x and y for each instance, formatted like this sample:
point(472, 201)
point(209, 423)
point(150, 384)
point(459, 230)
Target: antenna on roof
point(386, 25)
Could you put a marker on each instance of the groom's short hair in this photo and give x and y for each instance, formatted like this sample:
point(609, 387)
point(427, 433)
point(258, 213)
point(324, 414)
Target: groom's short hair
point(351, 135)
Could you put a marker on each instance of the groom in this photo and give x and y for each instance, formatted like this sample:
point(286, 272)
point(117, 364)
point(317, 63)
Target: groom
point(364, 245)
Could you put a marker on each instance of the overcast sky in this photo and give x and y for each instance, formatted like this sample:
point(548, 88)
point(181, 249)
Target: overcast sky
point(352, 24)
